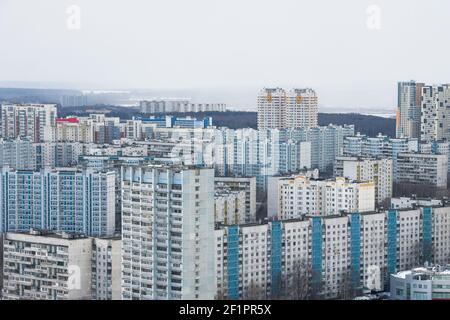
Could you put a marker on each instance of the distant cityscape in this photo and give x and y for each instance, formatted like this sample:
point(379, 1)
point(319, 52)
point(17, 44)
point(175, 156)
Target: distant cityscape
point(161, 205)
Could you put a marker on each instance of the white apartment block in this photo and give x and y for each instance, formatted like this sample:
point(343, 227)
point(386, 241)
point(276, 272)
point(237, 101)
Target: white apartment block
point(121, 149)
point(436, 147)
point(426, 169)
point(380, 147)
point(271, 103)
point(179, 105)
point(48, 267)
point(272, 189)
point(441, 233)
point(265, 153)
point(242, 262)
point(106, 268)
point(301, 109)
point(167, 232)
point(72, 129)
point(41, 265)
point(300, 195)
point(409, 238)
point(373, 250)
point(26, 155)
point(327, 256)
point(246, 184)
point(33, 121)
point(278, 108)
point(435, 120)
point(229, 207)
point(133, 130)
point(379, 171)
point(97, 128)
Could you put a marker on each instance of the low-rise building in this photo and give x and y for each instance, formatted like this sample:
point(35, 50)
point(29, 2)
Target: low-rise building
point(411, 202)
point(432, 283)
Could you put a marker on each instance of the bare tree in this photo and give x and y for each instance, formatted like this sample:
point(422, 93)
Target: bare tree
point(345, 288)
point(298, 286)
point(416, 256)
point(386, 203)
point(220, 295)
point(254, 291)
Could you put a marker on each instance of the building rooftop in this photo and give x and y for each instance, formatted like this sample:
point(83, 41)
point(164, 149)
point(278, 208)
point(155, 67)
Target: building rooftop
point(51, 234)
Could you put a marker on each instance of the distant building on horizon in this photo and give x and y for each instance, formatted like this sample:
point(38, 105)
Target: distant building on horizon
point(179, 105)
point(278, 108)
point(74, 101)
point(409, 109)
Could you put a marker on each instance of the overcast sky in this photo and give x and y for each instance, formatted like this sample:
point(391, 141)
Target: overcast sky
point(234, 45)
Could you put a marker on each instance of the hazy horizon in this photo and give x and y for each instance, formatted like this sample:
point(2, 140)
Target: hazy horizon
point(228, 50)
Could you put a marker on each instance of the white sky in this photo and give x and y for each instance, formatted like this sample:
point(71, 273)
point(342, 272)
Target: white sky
point(233, 45)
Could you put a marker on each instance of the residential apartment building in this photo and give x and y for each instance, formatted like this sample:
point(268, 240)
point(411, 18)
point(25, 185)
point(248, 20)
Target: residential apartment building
point(229, 207)
point(33, 121)
point(51, 267)
point(379, 171)
point(425, 169)
point(179, 105)
point(300, 195)
point(74, 101)
point(435, 123)
point(272, 188)
point(41, 265)
point(74, 129)
point(245, 184)
point(176, 122)
point(278, 108)
point(167, 232)
point(409, 106)
point(106, 268)
point(436, 147)
point(379, 146)
point(327, 256)
point(413, 202)
point(26, 155)
point(264, 153)
point(64, 199)
point(124, 148)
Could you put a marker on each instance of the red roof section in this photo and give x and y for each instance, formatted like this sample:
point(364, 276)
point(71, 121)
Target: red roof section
point(70, 120)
